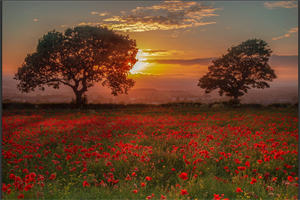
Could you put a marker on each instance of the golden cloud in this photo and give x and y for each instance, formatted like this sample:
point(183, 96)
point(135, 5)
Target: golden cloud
point(167, 15)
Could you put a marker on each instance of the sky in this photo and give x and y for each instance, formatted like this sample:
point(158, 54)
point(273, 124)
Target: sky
point(176, 39)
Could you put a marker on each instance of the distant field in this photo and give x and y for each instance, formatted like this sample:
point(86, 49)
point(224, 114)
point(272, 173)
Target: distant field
point(175, 152)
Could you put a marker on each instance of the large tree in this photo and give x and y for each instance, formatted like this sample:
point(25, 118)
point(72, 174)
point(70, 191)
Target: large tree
point(242, 67)
point(79, 58)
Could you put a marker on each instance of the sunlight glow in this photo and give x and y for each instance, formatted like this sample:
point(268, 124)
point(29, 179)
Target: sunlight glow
point(141, 64)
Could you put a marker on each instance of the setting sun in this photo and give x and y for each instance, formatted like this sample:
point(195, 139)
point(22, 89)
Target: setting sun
point(141, 64)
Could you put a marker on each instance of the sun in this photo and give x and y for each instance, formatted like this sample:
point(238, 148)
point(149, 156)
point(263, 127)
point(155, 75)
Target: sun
point(141, 64)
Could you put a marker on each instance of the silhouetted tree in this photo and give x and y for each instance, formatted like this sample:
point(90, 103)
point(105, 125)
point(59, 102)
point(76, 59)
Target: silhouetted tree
point(244, 66)
point(79, 58)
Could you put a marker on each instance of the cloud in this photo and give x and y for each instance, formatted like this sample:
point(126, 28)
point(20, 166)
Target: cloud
point(275, 60)
point(35, 20)
point(161, 52)
point(90, 24)
point(292, 31)
point(196, 61)
point(166, 15)
point(101, 14)
point(281, 4)
point(155, 50)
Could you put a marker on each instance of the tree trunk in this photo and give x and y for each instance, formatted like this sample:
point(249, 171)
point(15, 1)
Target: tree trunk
point(79, 98)
point(79, 94)
point(236, 100)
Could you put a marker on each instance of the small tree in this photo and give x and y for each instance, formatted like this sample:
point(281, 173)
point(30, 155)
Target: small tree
point(244, 66)
point(79, 58)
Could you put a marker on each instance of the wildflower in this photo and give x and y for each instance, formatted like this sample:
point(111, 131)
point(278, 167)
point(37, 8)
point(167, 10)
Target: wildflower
point(143, 184)
point(28, 187)
point(83, 170)
point(247, 163)
point(290, 179)
point(238, 190)
point(184, 192)
point(241, 168)
point(4, 187)
point(32, 175)
point(12, 176)
point(128, 178)
point(21, 196)
point(218, 197)
point(133, 174)
point(259, 161)
point(135, 191)
point(253, 181)
point(85, 184)
point(183, 176)
point(237, 161)
point(148, 178)
point(162, 197)
point(52, 176)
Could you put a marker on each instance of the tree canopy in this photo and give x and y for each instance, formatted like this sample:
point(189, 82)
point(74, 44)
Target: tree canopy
point(79, 58)
point(243, 67)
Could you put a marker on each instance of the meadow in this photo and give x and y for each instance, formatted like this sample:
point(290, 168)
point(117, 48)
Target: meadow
point(155, 152)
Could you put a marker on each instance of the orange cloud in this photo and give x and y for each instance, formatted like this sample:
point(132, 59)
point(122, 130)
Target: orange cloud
point(288, 34)
point(281, 4)
point(101, 14)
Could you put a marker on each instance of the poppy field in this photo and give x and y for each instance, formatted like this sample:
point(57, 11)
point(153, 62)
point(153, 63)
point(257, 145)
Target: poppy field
point(150, 153)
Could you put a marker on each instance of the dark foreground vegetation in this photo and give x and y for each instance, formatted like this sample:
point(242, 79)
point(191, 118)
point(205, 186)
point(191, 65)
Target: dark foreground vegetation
point(110, 106)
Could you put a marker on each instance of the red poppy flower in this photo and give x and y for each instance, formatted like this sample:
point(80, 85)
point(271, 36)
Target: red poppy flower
point(133, 174)
point(218, 197)
point(135, 191)
point(290, 179)
point(83, 170)
point(128, 178)
point(52, 176)
point(259, 161)
point(85, 184)
point(32, 175)
point(184, 192)
point(148, 178)
point(238, 190)
point(253, 181)
point(241, 168)
point(28, 187)
point(183, 176)
point(12, 176)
